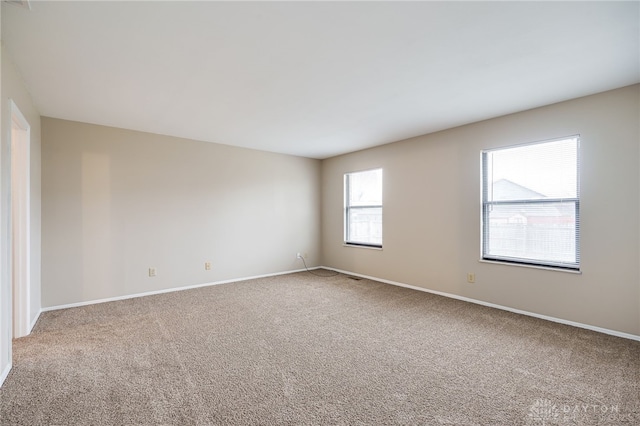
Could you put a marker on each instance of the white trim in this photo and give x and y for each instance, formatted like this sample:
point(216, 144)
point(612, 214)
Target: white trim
point(35, 320)
point(20, 221)
point(493, 305)
point(13, 108)
point(168, 290)
point(382, 280)
point(525, 265)
point(362, 246)
point(5, 373)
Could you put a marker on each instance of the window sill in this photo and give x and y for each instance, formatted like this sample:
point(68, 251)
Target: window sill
point(362, 246)
point(524, 265)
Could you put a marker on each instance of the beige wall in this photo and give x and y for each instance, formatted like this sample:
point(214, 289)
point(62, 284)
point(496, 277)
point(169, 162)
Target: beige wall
point(14, 89)
point(116, 202)
point(432, 213)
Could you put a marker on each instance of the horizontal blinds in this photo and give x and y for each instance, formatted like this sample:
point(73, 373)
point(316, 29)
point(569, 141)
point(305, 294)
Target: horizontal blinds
point(531, 204)
point(363, 208)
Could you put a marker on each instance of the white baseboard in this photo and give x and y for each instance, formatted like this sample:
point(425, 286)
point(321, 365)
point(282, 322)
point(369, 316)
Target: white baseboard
point(168, 290)
point(5, 373)
point(493, 305)
point(33, 323)
point(399, 284)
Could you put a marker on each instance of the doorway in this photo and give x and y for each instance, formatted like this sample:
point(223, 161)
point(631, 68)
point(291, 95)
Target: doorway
point(20, 222)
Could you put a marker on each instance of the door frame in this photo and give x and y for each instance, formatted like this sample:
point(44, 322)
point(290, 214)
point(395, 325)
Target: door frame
point(20, 221)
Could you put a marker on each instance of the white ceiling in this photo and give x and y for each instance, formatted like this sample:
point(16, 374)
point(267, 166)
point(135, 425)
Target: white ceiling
point(315, 79)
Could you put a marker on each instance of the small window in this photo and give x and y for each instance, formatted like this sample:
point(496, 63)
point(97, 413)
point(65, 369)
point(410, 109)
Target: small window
point(363, 208)
point(531, 204)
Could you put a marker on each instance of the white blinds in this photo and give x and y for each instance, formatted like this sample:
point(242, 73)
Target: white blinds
point(363, 208)
point(531, 204)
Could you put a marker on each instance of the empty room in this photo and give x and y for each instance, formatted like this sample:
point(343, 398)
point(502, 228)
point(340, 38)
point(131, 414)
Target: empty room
point(310, 213)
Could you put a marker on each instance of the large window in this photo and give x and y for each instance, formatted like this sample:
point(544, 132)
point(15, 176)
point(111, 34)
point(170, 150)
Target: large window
point(363, 208)
point(531, 204)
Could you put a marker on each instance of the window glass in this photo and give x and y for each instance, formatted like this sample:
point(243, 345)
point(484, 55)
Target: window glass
point(531, 205)
point(363, 208)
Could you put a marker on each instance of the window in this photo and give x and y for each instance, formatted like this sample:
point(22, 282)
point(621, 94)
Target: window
point(363, 208)
point(531, 204)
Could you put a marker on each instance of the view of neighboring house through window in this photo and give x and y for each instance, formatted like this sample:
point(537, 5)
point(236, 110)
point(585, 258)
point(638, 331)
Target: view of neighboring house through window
point(531, 204)
point(363, 208)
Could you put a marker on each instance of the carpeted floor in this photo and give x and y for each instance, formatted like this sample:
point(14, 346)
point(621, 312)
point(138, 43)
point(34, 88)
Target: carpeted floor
point(302, 350)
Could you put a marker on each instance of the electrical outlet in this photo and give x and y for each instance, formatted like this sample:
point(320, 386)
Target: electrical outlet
point(471, 277)
point(152, 272)
point(298, 256)
point(207, 266)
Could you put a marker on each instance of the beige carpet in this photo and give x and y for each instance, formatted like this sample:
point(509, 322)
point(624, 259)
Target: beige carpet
point(303, 350)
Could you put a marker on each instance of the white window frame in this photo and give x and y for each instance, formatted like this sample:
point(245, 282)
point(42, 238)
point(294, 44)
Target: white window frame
point(348, 208)
point(487, 205)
